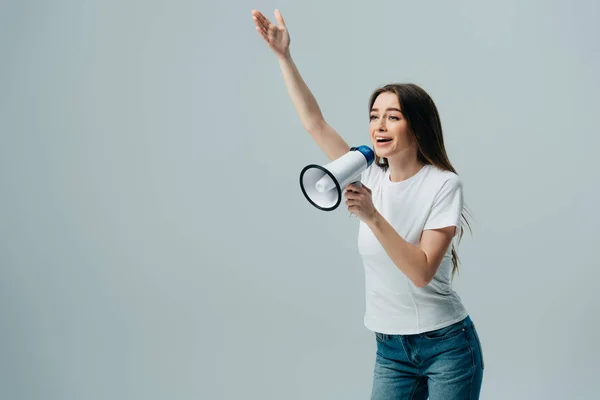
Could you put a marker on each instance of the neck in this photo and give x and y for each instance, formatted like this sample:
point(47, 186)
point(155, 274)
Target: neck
point(404, 165)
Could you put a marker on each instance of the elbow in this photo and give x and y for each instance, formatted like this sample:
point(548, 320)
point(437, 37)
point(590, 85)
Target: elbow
point(422, 281)
point(419, 277)
point(424, 274)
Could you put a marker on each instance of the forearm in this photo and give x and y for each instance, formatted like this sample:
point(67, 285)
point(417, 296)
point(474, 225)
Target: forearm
point(304, 102)
point(410, 259)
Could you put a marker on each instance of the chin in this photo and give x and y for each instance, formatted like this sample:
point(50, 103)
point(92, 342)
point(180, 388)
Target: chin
point(383, 153)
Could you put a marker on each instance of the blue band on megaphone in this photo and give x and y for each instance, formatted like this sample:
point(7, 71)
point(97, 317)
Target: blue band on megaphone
point(367, 152)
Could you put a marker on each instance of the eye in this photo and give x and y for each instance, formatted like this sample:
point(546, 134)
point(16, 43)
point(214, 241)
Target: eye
point(372, 117)
point(394, 117)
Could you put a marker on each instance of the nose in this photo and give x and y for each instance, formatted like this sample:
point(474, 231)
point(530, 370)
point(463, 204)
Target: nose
point(381, 125)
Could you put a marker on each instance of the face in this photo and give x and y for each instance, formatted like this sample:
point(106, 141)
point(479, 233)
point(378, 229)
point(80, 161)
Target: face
point(389, 130)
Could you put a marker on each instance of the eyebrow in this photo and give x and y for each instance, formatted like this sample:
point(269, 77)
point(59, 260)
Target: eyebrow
point(387, 109)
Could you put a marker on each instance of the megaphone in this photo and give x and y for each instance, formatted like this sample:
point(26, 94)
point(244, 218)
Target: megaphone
point(322, 185)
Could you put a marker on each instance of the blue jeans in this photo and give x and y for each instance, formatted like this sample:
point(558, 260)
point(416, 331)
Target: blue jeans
point(446, 363)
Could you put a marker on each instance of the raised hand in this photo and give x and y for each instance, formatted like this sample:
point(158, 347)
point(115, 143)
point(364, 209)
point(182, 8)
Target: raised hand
point(276, 37)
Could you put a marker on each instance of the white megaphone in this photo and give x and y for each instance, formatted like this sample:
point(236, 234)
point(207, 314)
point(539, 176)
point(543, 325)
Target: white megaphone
point(322, 185)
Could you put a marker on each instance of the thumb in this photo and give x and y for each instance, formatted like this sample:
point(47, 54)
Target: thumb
point(279, 18)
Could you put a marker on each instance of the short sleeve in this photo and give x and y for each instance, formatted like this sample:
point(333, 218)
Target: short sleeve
point(447, 206)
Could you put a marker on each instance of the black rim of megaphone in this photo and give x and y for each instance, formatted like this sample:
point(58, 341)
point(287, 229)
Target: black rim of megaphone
point(337, 186)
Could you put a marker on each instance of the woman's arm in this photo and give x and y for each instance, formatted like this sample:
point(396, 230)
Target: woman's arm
point(332, 144)
point(419, 264)
point(278, 40)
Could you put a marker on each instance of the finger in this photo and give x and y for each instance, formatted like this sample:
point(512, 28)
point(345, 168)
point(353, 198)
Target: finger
point(352, 203)
point(260, 28)
point(353, 209)
point(360, 188)
point(352, 195)
point(263, 20)
point(260, 24)
point(263, 34)
point(355, 189)
point(352, 187)
point(279, 18)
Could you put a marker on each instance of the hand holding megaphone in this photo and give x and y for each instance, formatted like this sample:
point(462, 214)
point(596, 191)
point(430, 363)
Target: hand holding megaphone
point(359, 201)
point(323, 185)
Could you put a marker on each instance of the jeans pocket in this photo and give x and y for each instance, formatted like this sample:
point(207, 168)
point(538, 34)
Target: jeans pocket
point(446, 332)
point(380, 337)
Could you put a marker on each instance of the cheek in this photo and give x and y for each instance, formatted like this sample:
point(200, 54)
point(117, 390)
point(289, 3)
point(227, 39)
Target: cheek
point(404, 133)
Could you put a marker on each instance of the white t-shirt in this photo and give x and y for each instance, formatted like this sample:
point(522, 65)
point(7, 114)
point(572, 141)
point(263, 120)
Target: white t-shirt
point(430, 199)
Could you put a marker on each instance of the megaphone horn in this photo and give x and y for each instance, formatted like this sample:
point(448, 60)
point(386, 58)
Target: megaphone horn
point(322, 185)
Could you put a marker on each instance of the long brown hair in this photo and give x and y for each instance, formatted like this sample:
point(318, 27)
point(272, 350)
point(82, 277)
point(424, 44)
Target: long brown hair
point(424, 123)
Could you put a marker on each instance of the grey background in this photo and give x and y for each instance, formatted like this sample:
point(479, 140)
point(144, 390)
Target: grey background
point(154, 241)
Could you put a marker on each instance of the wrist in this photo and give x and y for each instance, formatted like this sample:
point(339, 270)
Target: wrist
point(285, 57)
point(374, 219)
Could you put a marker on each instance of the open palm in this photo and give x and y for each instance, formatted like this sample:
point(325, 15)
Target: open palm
point(277, 37)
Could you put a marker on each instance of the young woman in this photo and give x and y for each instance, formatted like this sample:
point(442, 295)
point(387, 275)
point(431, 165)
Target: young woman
point(410, 207)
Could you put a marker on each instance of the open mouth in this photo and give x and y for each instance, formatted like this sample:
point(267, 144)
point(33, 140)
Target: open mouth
point(381, 140)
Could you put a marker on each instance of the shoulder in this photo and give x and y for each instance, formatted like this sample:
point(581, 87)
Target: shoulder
point(439, 178)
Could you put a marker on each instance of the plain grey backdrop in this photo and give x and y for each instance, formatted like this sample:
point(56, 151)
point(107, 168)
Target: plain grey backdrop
point(154, 241)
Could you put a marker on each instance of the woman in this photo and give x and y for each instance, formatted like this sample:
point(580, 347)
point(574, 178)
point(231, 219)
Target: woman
point(410, 207)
